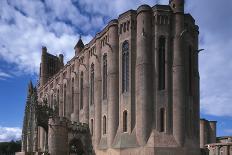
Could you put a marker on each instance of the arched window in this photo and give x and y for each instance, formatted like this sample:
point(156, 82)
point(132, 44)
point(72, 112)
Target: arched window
point(104, 76)
point(64, 108)
point(91, 126)
point(125, 121)
point(104, 125)
point(124, 27)
point(161, 65)
point(162, 120)
point(190, 120)
point(92, 85)
point(51, 101)
point(125, 66)
point(72, 102)
point(190, 71)
point(81, 90)
point(57, 103)
point(58, 98)
point(128, 25)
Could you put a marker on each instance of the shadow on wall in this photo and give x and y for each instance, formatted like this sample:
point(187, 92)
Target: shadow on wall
point(204, 152)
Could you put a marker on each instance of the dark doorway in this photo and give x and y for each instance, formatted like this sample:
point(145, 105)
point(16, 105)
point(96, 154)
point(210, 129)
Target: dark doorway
point(76, 147)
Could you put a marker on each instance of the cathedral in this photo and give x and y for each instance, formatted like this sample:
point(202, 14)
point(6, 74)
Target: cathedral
point(132, 90)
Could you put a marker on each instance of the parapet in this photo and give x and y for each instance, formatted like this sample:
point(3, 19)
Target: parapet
point(158, 7)
point(113, 22)
point(58, 121)
point(203, 120)
point(129, 12)
point(78, 127)
point(143, 8)
point(71, 126)
point(212, 121)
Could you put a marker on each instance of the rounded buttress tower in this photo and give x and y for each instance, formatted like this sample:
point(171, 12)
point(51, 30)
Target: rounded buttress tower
point(58, 136)
point(179, 86)
point(143, 74)
point(86, 88)
point(112, 77)
point(97, 94)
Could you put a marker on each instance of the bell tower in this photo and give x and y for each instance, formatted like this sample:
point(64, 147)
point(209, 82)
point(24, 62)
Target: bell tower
point(177, 5)
point(79, 46)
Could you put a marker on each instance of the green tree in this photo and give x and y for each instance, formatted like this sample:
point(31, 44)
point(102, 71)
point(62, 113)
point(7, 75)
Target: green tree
point(10, 147)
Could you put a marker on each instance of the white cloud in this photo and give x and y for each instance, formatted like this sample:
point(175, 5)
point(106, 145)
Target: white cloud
point(10, 133)
point(22, 36)
point(216, 82)
point(215, 63)
point(4, 75)
point(26, 26)
point(114, 8)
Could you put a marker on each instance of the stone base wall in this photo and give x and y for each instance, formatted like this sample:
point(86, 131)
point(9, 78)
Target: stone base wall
point(24, 153)
point(149, 151)
point(20, 153)
point(140, 151)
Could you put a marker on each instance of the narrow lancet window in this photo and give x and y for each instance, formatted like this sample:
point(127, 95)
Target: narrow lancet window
point(161, 65)
point(105, 76)
point(104, 125)
point(58, 98)
point(125, 66)
point(72, 95)
point(190, 72)
point(162, 120)
point(81, 91)
point(91, 126)
point(92, 85)
point(190, 120)
point(64, 108)
point(51, 103)
point(125, 121)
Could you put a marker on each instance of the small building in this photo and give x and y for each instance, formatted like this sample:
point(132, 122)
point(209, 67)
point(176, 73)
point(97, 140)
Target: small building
point(209, 143)
point(223, 146)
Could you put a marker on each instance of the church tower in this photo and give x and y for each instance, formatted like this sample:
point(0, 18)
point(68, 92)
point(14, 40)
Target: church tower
point(79, 46)
point(134, 86)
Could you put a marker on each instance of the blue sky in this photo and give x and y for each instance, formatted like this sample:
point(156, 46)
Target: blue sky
point(26, 25)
